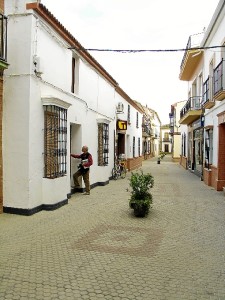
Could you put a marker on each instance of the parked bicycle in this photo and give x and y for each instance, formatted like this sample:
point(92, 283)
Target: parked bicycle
point(119, 170)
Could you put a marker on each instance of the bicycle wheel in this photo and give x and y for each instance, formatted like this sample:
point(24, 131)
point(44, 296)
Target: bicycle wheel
point(114, 174)
point(123, 173)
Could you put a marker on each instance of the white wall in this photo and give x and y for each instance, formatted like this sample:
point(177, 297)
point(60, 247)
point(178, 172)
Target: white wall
point(132, 130)
point(23, 135)
point(31, 39)
point(211, 119)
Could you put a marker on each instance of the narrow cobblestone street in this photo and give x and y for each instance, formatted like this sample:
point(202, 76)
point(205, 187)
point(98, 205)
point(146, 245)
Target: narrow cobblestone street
point(94, 248)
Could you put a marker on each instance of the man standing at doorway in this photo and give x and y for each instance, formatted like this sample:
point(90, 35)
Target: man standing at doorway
point(84, 169)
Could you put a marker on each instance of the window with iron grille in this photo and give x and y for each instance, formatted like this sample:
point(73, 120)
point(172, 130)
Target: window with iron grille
point(3, 37)
point(128, 114)
point(184, 144)
point(149, 147)
point(103, 144)
point(137, 121)
point(208, 148)
point(55, 141)
point(139, 147)
point(134, 146)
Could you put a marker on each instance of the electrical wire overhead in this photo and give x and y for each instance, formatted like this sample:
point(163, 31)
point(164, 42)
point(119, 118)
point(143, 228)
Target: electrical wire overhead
point(145, 50)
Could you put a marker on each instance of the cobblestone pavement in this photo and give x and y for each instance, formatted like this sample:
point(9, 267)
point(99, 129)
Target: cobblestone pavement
point(94, 248)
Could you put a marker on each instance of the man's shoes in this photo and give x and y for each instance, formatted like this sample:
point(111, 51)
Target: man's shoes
point(75, 187)
point(86, 193)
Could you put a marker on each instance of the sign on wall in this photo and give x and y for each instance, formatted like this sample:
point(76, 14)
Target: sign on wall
point(121, 125)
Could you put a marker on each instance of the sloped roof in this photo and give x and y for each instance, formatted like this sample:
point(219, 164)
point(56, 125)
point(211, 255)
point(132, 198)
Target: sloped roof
point(42, 11)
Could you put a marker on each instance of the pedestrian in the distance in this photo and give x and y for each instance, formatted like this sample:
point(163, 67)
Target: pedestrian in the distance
point(84, 169)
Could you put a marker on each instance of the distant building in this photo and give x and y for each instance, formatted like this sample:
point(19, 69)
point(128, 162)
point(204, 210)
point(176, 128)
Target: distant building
point(175, 131)
point(150, 131)
point(166, 141)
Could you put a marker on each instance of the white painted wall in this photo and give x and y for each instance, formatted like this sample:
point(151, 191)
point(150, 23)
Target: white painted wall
point(156, 133)
point(216, 37)
point(211, 119)
point(30, 39)
point(132, 130)
point(165, 142)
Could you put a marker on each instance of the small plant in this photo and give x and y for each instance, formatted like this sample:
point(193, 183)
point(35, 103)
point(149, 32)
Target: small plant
point(141, 198)
point(162, 154)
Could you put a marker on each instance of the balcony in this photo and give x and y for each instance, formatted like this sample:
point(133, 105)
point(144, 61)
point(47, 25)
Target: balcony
point(146, 130)
point(219, 81)
point(166, 140)
point(192, 57)
point(191, 110)
point(171, 130)
point(207, 99)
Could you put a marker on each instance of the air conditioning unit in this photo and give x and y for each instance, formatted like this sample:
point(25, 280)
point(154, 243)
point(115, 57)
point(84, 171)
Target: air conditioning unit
point(120, 107)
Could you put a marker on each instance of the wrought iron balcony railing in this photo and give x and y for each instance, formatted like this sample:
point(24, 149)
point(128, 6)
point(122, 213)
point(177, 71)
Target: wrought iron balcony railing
point(219, 78)
point(146, 129)
point(207, 90)
point(207, 96)
point(193, 103)
point(168, 140)
point(193, 43)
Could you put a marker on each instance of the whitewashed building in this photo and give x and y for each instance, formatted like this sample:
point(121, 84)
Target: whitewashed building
point(178, 151)
point(166, 141)
point(57, 98)
point(129, 138)
point(156, 133)
point(204, 112)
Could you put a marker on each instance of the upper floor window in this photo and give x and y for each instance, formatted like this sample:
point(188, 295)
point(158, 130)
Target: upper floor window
point(55, 141)
point(166, 137)
point(75, 75)
point(137, 121)
point(103, 144)
point(128, 114)
point(3, 37)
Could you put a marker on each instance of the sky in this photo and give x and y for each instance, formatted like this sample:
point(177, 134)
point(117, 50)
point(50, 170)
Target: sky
point(151, 78)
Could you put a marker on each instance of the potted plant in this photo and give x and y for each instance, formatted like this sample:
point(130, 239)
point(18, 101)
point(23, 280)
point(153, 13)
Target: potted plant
point(141, 198)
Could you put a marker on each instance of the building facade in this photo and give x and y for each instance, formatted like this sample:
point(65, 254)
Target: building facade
point(3, 67)
point(178, 153)
point(57, 98)
point(204, 112)
point(166, 141)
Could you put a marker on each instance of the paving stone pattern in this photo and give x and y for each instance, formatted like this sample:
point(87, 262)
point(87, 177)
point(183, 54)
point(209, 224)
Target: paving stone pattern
point(94, 248)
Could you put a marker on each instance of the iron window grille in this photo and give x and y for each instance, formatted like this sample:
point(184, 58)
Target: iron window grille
point(139, 147)
point(184, 144)
point(128, 114)
point(137, 121)
point(103, 144)
point(3, 37)
point(55, 141)
point(208, 148)
point(218, 77)
point(149, 147)
point(134, 146)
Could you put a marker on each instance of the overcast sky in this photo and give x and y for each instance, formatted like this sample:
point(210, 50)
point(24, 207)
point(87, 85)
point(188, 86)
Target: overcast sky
point(151, 78)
